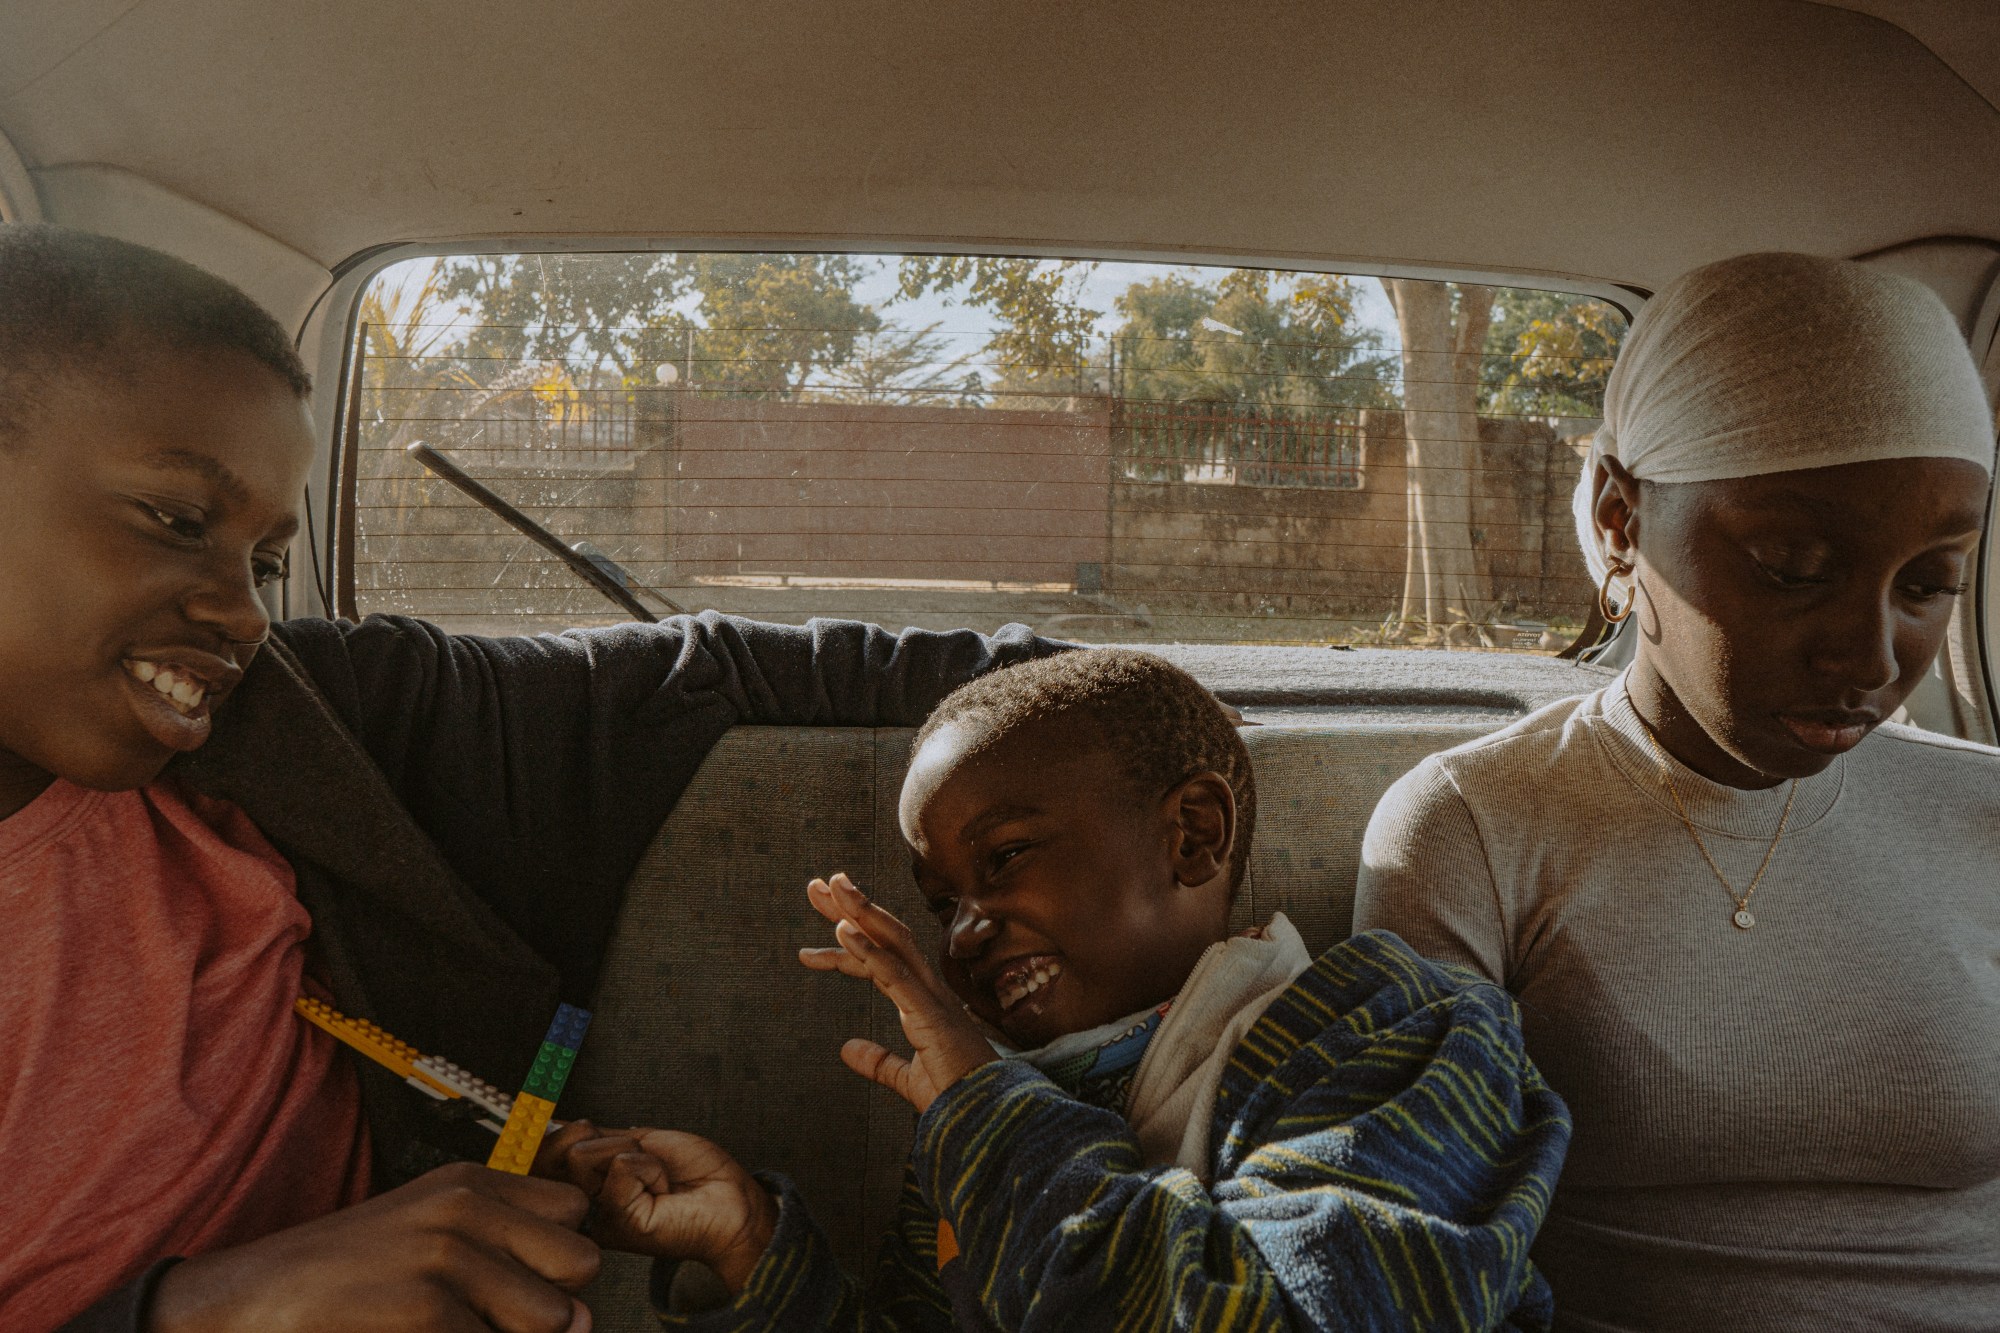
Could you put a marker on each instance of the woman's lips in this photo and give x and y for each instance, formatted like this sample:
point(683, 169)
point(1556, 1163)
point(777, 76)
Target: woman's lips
point(1828, 735)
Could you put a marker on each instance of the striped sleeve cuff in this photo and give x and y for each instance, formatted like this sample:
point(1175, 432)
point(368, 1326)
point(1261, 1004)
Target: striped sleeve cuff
point(796, 1284)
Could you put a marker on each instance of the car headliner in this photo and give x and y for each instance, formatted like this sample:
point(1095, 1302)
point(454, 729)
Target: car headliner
point(1621, 142)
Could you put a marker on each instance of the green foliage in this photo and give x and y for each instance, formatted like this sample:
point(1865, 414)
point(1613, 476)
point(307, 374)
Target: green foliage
point(910, 367)
point(772, 320)
point(600, 310)
point(1548, 353)
point(750, 324)
point(1248, 339)
point(1043, 342)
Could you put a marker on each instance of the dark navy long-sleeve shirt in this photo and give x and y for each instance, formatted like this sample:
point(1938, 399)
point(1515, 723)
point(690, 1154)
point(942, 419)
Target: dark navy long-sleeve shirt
point(462, 813)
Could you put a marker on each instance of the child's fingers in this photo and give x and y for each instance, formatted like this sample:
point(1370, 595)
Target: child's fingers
point(552, 1158)
point(878, 964)
point(686, 1155)
point(820, 895)
point(631, 1176)
point(833, 960)
point(878, 1064)
point(596, 1154)
point(881, 925)
point(839, 900)
point(584, 1164)
point(886, 949)
point(912, 987)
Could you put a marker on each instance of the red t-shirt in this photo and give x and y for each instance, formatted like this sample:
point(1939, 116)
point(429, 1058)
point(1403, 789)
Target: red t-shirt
point(157, 1093)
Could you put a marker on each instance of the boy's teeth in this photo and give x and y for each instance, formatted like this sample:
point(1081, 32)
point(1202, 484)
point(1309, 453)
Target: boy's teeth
point(184, 695)
point(1021, 987)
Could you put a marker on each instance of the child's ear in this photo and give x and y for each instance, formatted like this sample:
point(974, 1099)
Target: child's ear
point(1203, 812)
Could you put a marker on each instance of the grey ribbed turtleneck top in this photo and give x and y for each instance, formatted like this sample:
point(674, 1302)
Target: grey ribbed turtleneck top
point(1791, 1127)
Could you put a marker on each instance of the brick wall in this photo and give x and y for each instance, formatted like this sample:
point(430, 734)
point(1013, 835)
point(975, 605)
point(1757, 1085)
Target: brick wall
point(715, 492)
point(828, 489)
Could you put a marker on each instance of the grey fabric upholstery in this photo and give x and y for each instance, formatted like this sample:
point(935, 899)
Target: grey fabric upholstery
point(1316, 787)
point(707, 1022)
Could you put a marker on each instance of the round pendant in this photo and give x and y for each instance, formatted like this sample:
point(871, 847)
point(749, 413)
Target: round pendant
point(1742, 919)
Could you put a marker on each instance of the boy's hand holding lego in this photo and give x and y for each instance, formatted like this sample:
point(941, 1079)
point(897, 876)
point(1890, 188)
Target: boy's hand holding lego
point(661, 1192)
point(458, 1250)
point(876, 946)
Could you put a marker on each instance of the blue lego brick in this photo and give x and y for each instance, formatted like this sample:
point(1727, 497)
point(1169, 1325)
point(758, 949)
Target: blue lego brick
point(568, 1028)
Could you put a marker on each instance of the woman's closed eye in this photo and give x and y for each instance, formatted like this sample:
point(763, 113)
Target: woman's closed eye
point(1929, 590)
point(1789, 569)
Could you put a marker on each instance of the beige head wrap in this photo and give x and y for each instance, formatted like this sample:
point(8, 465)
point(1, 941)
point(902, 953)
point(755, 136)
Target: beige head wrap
point(1779, 362)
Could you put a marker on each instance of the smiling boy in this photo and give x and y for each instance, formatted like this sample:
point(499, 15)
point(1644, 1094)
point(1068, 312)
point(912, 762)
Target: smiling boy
point(202, 814)
point(1355, 1141)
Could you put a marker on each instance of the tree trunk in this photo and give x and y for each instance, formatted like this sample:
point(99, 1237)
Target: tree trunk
point(1443, 582)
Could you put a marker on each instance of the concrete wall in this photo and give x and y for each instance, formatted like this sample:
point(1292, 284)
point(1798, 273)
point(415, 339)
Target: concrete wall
point(1307, 551)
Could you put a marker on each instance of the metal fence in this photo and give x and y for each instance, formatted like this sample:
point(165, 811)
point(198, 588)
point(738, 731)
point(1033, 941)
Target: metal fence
point(590, 430)
point(1237, 444)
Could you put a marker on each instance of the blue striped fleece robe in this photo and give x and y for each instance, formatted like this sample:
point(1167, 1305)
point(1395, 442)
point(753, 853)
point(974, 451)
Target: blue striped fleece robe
point(1383, 1150)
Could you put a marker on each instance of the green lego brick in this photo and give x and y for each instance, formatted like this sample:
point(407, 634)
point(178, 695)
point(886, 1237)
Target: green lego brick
point(550, 1071)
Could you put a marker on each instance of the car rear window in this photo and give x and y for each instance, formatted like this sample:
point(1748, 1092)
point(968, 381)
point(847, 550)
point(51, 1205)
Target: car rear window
point(1107, 451)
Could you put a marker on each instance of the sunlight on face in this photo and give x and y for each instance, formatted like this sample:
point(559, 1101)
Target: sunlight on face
point(136, 524)
point(1056, 883)
point(1786, 616)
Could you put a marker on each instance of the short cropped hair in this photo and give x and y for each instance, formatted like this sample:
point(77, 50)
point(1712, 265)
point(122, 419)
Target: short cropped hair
point(72, 303)
point(1153, 718)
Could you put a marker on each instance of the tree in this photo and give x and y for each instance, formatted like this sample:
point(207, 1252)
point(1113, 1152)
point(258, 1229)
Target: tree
point(768, 322)
point(1443, 327)
point(1042, 346)
point(1549, 354)
point(413, 380)
point(589, 312)
point(910, 367)
point(1247, 340)
point(748, 324)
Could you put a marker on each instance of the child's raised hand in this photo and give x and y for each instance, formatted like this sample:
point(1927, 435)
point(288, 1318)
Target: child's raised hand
point(659, 1192)
point(875, 945)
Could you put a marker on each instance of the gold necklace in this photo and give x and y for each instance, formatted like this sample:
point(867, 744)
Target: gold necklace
point(1741, 917)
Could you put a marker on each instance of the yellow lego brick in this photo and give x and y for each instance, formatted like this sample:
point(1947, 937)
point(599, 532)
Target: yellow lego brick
point(362, 1035)
point(522, 1135)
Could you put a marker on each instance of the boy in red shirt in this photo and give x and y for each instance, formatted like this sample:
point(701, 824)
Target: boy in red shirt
point(202, 814)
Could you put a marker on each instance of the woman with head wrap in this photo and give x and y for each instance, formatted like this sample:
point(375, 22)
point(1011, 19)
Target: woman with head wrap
point(1754, 927)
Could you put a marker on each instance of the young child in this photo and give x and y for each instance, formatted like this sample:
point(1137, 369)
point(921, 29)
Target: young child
point(202, 813)
point(1129, 1119)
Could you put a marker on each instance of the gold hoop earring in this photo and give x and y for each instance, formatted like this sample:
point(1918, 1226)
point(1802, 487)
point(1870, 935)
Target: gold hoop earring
point(1616, 570)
